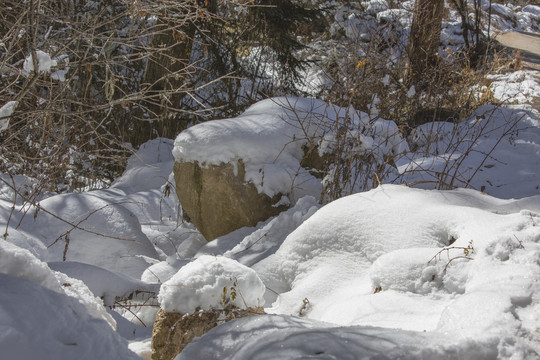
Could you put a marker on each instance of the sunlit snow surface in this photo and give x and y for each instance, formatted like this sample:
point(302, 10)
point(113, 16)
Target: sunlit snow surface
point(285, 337)
point(375, 259)
point(496, 150)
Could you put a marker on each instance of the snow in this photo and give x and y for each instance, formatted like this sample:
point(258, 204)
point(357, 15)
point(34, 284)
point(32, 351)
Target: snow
point(110, 265)
point(495, 151)
point(529, 18)
point(266, 239)
point(13, 185)
point(142, 348)
point(148, 168)
point(273, 337)
point(5, 112)
point(375, 6)
point(211, 283)
point(381, 273)
point(44, 61)
point(37, 323)
point(339, 244)
point(518, 86)
point(108, 228)
point(163, 270)
point(20, 263)
point(268, 138)
point(411, 92)
point(508, 17)
point(93, 304)
point(81, 235)
point(103, 283)
point(345, 251)
point(375, 273)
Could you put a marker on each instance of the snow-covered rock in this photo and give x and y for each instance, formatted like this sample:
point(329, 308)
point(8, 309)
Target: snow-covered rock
point(173, 331)
point(262, 153)
point(206, 193)
point(202, 294)
point(211, 282)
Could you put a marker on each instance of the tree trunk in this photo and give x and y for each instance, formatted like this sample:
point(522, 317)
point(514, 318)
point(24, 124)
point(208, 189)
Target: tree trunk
point(165, 69)
point(424, 38)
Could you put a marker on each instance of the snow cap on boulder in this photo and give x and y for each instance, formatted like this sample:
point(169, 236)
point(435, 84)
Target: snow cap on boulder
point(212, 282)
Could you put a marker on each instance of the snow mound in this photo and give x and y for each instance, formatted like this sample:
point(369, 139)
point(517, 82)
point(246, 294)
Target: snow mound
point(405, 270)
point(164, 270)
point(249, 245)
point(283, 337)
point(211, 283)
point(20, 263)
point(147, 190)
point(148, 168)
point(37, 323)
point(496, 150)
point(103, 283)
point(416, 260)
point(78, 290)
point(264, 241)
point(92, 230)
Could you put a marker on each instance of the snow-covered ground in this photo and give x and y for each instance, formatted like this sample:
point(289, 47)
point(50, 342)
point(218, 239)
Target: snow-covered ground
point(395, 272)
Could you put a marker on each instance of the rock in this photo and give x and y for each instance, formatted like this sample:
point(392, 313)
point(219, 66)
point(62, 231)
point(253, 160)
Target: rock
point(218, 201)
point(173, 331)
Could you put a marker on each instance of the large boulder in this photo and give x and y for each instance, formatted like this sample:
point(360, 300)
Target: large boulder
point(219, 201)
point(233, 173)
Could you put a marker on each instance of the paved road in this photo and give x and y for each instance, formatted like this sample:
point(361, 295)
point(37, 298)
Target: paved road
point(528, 43)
